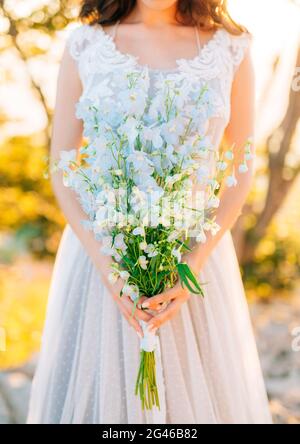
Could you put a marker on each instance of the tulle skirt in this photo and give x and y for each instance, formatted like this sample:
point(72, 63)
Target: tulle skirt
point(207, 364)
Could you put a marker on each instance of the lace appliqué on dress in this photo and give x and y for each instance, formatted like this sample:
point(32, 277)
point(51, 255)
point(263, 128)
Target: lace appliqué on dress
point(97, 56)
point(222, 47)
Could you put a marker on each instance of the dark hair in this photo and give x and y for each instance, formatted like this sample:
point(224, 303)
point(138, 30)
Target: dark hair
point(208, 14)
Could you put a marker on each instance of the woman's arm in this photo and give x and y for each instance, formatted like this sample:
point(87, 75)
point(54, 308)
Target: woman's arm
point(67, 135)
point(239, 130)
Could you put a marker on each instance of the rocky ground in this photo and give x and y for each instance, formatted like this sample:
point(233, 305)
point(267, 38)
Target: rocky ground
point(274, 324)
point(277, 328)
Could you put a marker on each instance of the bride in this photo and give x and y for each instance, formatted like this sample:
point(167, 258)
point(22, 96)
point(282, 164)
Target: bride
point(207, 363)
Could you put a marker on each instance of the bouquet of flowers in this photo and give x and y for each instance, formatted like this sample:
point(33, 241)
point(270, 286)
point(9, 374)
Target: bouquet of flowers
point(148, 179)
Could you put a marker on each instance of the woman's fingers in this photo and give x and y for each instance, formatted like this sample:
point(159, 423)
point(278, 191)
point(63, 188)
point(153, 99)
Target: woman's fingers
point(163, 306)
point(141, 300)
point(131, 320)
point(134, 311)
point(155, 302)
point(164, 316)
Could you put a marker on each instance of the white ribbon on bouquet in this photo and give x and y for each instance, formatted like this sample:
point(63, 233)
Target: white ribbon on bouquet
point(150, 342)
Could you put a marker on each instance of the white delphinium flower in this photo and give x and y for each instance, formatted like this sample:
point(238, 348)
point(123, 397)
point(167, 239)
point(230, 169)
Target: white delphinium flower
point(213, 202)
point(171, 180)
point(117, 273)
point(133, 102)
point(131, 290)
point(153, 135)
point(106, 161)
point(156, 106)
point(201, 237)
point(249, 156)
point(141, 162)
point(143, 262)
point(107, 246)
point(214, 184)
point(187, 184)
point(153, 216)
point(117, 172)
point(120, 219)
point(114, 276)
point(203, 174)
point(119, 243)
point(153, 191)
point(143, 245)
point(106, 195)
point(139, 231)
point(101, 217)
point(166, 216)
point(173, 236)
point(243, 168)
point(137, 199)
point(231, 180)
point(229, 155)
point(177, 254)
point(124, 275)
point(212, 226)
point(133, 87)
point(172, 130)
point(71, 180)
point(215, 228)
point(67, 157)
point(170, 157)
point(151, 250)
point(204, 143)
point(99, 143)
point(221, 165)
point(129, 130)
point(248, 149)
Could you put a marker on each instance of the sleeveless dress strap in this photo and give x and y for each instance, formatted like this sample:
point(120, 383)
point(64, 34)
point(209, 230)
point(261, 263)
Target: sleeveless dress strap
point(115, 29)
point(198, 38)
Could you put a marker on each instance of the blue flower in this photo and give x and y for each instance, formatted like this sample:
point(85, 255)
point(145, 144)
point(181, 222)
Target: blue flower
point(172, 130)
point(141, 162)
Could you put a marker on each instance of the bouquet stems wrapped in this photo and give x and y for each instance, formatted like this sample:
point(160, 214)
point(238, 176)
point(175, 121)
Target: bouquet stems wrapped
point(149, 278)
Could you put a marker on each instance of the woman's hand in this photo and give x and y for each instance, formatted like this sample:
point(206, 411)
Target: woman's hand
point(173, 298)
point(126, 306)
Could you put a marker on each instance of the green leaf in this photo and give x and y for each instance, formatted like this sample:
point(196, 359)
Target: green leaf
point(183, 244)
point(153, 262)
point(190, 275)
point(187, 278)
point(135, 304)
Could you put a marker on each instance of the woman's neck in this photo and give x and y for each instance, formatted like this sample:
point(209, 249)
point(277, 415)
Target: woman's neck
point(151, 16)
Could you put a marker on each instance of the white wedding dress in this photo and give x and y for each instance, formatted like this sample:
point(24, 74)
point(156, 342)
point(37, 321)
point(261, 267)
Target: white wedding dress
point(207, 363)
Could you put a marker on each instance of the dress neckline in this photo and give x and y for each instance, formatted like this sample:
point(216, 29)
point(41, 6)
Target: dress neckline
point(135, 59)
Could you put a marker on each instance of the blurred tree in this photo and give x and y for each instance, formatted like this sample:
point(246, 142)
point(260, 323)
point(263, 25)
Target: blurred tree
point(27, 206)
point(46, 17)
point(28, 213)
point(281, 174)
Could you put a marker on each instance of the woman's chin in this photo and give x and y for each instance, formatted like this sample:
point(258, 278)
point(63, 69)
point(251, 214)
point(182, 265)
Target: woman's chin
point(159, 5)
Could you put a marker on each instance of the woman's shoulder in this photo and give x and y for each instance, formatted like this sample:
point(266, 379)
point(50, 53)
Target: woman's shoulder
point(234, 40)
point(237, 45)
point(80, 37)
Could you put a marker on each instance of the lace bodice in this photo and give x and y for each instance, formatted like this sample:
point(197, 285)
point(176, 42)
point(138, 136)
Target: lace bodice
point(98, 58)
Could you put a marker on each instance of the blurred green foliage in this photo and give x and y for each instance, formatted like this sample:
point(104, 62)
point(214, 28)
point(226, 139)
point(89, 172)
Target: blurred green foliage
point(23, 298)
point(275, 268)
point(29, 218)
